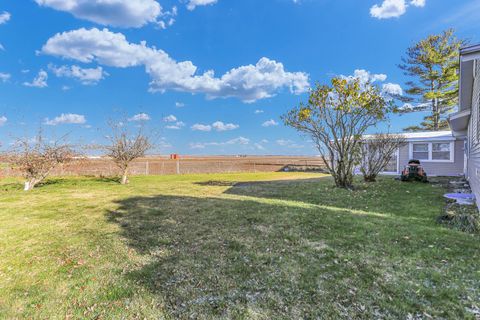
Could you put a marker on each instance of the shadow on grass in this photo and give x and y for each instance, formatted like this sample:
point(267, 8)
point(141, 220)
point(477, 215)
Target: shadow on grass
point(216, 183)
point(234, 258)
point(386, 196)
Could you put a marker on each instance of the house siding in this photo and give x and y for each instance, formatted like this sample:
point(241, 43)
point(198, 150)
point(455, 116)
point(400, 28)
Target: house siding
point(455, 168)
point(473, 171)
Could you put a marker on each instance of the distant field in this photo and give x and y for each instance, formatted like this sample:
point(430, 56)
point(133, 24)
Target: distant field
point(187, 165)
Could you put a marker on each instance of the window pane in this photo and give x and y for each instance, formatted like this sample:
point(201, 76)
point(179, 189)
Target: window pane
point(440, 147)
point(441, 155)
point(392, 164)
point(420, 147)
point(420, 155)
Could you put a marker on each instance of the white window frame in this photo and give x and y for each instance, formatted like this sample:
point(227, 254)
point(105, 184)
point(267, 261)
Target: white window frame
point(430, 148)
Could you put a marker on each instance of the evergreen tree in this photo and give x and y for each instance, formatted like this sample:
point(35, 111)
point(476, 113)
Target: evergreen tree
point(433, 64)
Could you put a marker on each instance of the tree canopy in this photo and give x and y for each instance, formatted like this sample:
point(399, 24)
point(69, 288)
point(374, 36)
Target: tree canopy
point(335, 117)
point(432, 64)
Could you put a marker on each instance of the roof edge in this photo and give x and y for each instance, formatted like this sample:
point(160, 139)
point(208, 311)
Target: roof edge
point(470, 49)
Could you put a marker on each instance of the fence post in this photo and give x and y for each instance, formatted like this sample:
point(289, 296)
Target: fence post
point(147, 167)
point(254, 168)
point(178, 166)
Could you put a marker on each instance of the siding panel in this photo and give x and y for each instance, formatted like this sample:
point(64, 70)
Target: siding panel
point(473, 173)
point(439, 168)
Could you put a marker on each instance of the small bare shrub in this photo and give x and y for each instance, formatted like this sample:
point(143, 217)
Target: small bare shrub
point(125, 147)
point(36, 158)
point(376, 151)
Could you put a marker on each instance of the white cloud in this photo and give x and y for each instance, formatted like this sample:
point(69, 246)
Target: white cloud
point(289, 144)
point(4, 77)
point(66, 118)
point(236, 141)
point(3, 120)
point(393, 8)
point(40, 81)
point(176, 126)
point(164, 144)
point(201, 127)
point(140, 117)
point(248, 83)
point(87, 76)
point(5, 17)
point(418, 3)
point(365, 76)
point(117, 13)
point(270, 123)
point(192, 4)
point(179, 104)
point(258, 111)
point(259, 146)
point(170, 118)
point(392, 89)
point(220, 126)
point(217, 126)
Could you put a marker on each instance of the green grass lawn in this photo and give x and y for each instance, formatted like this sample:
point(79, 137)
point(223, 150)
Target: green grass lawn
point(259, 246)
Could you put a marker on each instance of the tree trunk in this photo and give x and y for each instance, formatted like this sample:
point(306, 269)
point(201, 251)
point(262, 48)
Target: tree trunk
point(370, 178)
point(124, 179)
point(30, 184)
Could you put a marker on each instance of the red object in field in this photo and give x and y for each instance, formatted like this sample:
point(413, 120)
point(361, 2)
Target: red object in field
point(174, 156)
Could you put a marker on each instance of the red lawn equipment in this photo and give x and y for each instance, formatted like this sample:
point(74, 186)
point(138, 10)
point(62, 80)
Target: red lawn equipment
point(414, 171)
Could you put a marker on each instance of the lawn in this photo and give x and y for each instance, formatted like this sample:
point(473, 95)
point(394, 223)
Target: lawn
point(257, 246)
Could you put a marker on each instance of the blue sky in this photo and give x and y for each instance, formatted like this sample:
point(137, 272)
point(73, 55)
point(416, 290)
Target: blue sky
point(212, 77)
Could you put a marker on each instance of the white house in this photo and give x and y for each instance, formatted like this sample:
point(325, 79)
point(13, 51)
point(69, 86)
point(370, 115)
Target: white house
point(465, 122)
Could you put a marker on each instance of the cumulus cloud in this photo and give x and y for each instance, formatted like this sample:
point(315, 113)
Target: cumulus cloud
point(176, 126)
point(248, 83)
point(220, 126)
point(392, 89)
point(5, 17)
point(140, 117)
point(117, 13)
point(258, 111)
point(393, 8)
point(40, 81)
point(4, 77)
point(3, 120)
point(236, 141)
point(389, 90)
point(270, 123)
point(179, 104)
point(201, 127)
point(365, 76)
point(66, 118)
point(418, 3)
point(170, 118)
point(87, 76)
point(192, 4)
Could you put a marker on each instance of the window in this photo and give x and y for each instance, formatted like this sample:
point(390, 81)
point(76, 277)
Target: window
point(432, 151)
point(420, 151)
point(441, 151)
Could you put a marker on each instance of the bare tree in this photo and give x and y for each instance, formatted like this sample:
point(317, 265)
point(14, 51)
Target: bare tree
point(335, 118)
point(375, 153)
point(125, 147)
point(36, 157)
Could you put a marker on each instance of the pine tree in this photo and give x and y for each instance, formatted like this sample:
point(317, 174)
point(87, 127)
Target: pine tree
point(433, 64)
